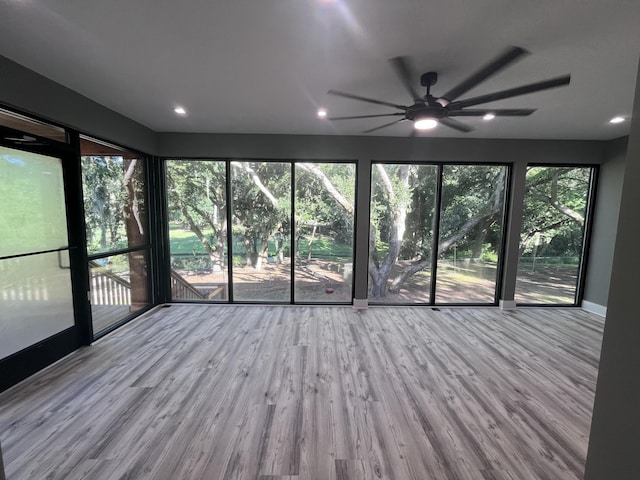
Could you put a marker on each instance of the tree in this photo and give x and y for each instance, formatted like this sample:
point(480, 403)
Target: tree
point(133, 213)
point(554, 209)
point(402, 216)
point(104, 197)
point(472, 200)
point(196, 196)
point(261, 207)
point(324, 202)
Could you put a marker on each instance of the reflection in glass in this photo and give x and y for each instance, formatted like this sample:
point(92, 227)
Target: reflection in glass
point(552, 236)
point(35, 299)
point(33, 216)
point(30, 125)
point(197, 198)
point(400, 244)
point(118, 287)
point(324, 232)
point(471, 218)
point(261, 212)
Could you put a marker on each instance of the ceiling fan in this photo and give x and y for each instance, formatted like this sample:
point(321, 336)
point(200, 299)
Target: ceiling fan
point(428, 111)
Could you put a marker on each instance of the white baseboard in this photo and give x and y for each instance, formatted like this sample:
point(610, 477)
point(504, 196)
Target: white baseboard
point(507, 304)
point(594, 308)
point(360, 304)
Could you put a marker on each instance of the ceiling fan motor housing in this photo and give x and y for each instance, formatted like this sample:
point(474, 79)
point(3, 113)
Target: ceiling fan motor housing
point(429, 79)
point(419, 111)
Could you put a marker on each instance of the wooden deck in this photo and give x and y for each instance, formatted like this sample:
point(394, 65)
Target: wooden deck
point(297, 392)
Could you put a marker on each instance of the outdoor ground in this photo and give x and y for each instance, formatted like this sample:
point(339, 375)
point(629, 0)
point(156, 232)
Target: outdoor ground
point(323, 281)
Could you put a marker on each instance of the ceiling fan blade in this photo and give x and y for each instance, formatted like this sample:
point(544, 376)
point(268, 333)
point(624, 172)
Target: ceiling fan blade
point(512, 92)
point(506, 58)
point(450, 122)
point(405, 72)
point(366, 116)
point(499, 112)
point(365, 99)
point(383, 126)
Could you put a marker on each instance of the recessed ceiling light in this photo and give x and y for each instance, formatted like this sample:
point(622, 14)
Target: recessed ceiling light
point(489, 116)
point(425, 124)
point(617, 120)
point(180, 111)
point(322, 113)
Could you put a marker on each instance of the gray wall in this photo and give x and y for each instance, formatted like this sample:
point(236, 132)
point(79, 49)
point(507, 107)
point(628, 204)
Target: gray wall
point(312, 147)
point(26, 90)
point(615, 428)
point(605, 222)
point(33, 93)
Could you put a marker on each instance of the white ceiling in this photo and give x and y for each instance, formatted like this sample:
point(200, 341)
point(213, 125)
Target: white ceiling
point(264, 66)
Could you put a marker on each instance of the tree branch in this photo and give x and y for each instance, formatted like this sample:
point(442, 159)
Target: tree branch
point(258, 183)
point(333, 191)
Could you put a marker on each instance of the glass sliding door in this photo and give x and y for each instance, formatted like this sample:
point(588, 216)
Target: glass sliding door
point(197, 211)
point(403, 200)
point(324, 230)
point(36, 300)
point(470, 233)
point(261, 230)
point(115, 203)
point(552, 240)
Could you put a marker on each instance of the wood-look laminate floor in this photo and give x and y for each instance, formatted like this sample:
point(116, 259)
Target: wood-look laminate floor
point(275, 393)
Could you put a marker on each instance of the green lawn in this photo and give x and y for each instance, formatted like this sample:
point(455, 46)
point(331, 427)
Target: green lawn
point(185, 242)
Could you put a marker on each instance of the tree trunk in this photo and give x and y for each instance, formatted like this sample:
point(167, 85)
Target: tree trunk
point(246, 243)
point(296, 250)
point(405, 274)
point(217, 263)
point(263, 253)
point(380, 280)
point(103, 233)
point(215, 256)
point(310, 243)
point(135, 236)
point(483, 228)
point(280, 248)
point(380, 274)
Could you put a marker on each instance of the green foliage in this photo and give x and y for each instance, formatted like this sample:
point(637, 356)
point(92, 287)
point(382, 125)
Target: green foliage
point(489, 254)
point(468, 192)
point(105, 199)
point(261, 206)
point(554, 210)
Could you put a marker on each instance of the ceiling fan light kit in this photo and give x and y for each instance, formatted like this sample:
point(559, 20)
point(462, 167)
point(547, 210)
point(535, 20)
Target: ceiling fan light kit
point(425, 123)
point(427, 110)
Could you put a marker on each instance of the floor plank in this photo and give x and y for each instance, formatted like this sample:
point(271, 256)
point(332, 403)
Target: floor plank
point(314, 392)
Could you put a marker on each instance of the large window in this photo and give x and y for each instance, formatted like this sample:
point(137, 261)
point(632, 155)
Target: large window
point(197, 209)
point(261, 227)
point(410, 202)
point(471, 220)
point(553, 234)
point(403, 198)
point(115, 204)
point(324, 230)
point(290, 236)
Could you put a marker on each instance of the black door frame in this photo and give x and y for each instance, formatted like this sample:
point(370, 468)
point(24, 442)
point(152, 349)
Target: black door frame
point(33, 358)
